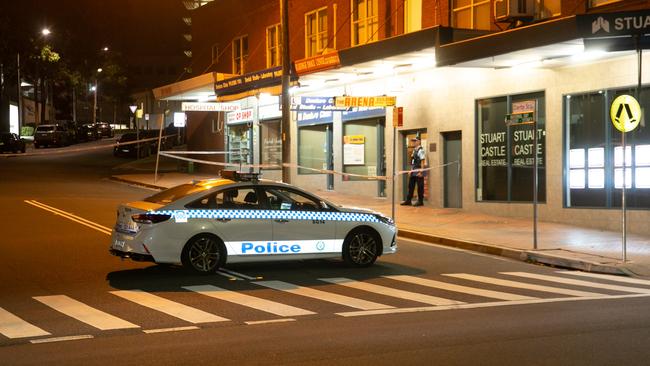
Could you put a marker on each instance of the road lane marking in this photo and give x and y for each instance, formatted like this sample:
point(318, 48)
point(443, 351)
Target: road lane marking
point(84, 313)
point(61, 339)
point(71, 217)
point(237, 274)
point(12, 326)
point(522, 285)
point(388, 291)
point(570, 281)
point(323, 295)
point(458, 288)
point(257, 322)
point(248, 301)
point(177, 310)
point(166, 330)
point(484, 305)
point(607, 277)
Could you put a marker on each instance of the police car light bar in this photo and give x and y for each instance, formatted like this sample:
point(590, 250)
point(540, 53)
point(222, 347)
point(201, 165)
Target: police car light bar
point(240, 176)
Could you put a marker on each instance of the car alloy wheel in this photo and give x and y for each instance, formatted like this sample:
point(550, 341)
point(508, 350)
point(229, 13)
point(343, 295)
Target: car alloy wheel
point(360, 248)
point(203, 254)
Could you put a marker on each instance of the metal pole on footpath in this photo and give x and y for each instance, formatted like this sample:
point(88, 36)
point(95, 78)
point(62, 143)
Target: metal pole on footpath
point(535, 181)
point(394, 175)
point(162, 125)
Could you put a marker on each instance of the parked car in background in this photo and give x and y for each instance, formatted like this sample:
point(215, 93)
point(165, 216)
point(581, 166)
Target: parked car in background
point(51, 135)
point(104, 129)
point(127, 147)
point(10, 142)
point(87, 132)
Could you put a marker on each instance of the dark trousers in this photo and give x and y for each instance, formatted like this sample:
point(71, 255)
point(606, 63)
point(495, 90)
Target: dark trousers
point(420, 181)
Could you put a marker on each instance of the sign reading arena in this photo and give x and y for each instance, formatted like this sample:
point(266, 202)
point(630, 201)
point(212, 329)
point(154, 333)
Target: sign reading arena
point(382, 101)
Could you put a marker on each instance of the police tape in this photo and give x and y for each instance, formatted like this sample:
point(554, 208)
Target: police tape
point(174, 154)
point(59, 151)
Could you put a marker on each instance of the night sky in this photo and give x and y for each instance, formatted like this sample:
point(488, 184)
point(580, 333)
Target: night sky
point(152, 27)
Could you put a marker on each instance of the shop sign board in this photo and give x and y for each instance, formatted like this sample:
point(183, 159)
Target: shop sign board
point(179, 119)
point(209, 107)
point(310, 103)
point(250, 81)
point(244, 115)
point(354, 150)
point(398, 116)
point(614, 24)
point(625, 113)
point(523, 112)
point(378, 101)
point(317, 63)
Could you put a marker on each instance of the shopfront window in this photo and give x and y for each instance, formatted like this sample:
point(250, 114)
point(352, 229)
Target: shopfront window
point(471, 14)
point(505, 152)
point(365, 14)
point(239, 144)
point(271, 146)
point(360, 148)
point(594, 153)
point(315, 32)
point(312, 148)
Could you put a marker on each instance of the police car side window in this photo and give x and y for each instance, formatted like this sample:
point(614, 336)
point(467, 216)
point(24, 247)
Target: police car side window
point(237, 199)
point(286, 199)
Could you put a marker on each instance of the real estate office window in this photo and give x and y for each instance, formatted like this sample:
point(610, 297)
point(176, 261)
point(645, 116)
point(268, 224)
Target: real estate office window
point(315, 32)
point(365, 20)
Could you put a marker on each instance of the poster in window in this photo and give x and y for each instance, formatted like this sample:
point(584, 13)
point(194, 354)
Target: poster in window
point(354, 150)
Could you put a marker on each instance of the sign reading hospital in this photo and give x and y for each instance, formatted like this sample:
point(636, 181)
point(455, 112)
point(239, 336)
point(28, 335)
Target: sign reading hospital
point(209, 107)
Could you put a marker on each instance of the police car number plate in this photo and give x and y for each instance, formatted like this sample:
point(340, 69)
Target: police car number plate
point(119, 244)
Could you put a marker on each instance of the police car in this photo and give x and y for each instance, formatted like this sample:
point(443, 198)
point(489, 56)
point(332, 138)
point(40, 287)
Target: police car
point(239, 218)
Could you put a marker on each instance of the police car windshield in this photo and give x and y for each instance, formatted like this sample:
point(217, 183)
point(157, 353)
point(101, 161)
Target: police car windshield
point(170, 195)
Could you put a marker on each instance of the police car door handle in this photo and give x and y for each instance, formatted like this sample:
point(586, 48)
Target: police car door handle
point(224, 220)
point(282, 221)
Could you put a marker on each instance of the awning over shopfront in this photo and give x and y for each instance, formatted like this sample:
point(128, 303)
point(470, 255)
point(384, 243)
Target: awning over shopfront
point(198, 88)
point(553, 43)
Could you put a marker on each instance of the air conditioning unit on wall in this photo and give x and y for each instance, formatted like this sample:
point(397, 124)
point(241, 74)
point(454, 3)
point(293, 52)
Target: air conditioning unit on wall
point(508, 10)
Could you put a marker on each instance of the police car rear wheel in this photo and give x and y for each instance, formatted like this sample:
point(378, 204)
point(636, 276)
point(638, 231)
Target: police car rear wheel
point(360, 248)
point(204, 254)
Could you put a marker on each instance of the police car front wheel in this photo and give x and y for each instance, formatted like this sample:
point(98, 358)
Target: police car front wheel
point(360, 248)
point(204, 254)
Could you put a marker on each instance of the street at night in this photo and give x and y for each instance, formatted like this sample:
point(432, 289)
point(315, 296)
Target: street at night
point(425, 305)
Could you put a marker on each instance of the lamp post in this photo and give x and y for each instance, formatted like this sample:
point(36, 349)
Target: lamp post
point(94, 88)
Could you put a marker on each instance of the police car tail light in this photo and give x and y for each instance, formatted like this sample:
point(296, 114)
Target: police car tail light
point(149, 218)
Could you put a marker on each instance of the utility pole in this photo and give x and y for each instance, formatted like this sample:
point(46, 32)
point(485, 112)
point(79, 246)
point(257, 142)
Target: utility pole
point(286, 112)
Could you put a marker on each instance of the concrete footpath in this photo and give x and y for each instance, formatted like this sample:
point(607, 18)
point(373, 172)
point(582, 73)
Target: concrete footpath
point(558, 245)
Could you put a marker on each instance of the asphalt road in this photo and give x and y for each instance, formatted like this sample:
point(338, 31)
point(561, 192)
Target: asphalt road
point(377, 316)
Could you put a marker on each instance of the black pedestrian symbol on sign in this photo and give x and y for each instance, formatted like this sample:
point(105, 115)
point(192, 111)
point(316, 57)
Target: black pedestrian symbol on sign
point(628, 111)
point(625, 113)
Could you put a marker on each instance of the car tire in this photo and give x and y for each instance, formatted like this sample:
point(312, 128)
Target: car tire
point(361, 247)
point(204, 254)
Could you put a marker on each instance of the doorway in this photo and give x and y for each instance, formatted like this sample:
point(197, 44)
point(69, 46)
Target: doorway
point(452, 172)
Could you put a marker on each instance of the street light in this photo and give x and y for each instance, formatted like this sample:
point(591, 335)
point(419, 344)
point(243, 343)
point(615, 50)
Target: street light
point(45, 31)
point(94, 88)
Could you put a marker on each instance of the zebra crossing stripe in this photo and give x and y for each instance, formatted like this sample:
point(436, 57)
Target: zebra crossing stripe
point(323, 295)
point(248, 301)
point(458, 288)
point(388, 291)
point(12, 326)
point(614, 278)
point(522, 285)
point(84, 313)
point(570, 281)
point(177, 310)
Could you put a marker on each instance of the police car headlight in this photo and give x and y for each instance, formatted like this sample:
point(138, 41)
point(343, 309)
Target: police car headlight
point(384, 219)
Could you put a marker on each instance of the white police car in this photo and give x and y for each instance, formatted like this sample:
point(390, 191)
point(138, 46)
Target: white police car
point(205, 224)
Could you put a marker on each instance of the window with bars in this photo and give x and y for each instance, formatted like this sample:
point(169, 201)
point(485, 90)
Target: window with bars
point(471, 14)
point(273, 45)
point(239, 54)
point(315, 32)
point(365, 20)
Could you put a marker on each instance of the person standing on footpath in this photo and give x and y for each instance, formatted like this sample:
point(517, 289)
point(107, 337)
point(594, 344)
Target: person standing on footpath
point(417, 162)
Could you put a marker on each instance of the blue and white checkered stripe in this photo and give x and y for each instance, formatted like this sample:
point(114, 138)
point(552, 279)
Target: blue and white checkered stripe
point(272, 215)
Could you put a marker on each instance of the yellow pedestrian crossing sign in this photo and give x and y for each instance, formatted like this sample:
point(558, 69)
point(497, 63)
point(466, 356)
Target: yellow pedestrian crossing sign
point(625, 113)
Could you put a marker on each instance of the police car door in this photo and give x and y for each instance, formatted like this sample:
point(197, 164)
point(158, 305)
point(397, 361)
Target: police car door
point(237, 218)
point(301, 221)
